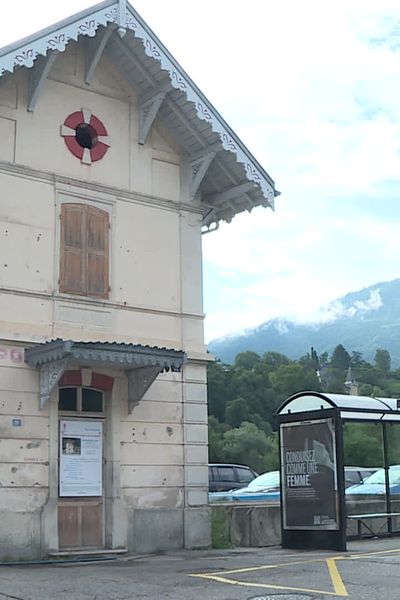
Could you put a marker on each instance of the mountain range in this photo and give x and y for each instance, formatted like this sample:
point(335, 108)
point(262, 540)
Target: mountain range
point(361, 321)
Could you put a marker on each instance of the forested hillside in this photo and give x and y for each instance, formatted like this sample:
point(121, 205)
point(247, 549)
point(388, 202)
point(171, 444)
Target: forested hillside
point(364, 320)
point(243, 397)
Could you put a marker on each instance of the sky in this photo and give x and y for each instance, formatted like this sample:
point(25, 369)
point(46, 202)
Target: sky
point(313, 90)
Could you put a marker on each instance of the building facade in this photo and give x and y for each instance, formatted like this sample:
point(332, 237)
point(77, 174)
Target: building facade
point(112, 164)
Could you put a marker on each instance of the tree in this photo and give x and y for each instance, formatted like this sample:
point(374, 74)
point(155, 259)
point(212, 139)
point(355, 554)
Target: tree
point(271, 458)
point(218, 376)
point(247, 360)
point(357, 360)
point(310, 360)
point(275, 359)
point(333, 380)
point(215, 444)
point(340, 358)
point(371, 375)
point(334, 374)
point(315, 359)
point(289, 379)
point(237, 411)
point(246, 445)
point(254, 387)
point(382, 360)
point(378, 392)
point(262, 424)
point(323, 359)
point(362, 444)
point(366, 389)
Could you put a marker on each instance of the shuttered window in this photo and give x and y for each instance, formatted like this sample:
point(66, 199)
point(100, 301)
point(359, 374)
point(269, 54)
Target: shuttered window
point(84, 250)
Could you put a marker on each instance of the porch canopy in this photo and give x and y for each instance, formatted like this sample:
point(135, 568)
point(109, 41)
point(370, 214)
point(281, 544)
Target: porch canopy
point(141, 364)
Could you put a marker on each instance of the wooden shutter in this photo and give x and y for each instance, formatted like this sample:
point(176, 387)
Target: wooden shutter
point(72, 264)
point(84, 250)
point(97, 252)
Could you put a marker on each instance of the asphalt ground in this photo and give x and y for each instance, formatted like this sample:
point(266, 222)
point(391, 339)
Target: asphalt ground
point(370, 570)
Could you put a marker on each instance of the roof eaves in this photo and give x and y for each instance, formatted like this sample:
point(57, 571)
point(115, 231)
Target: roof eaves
point(24, 52)
point(204, 109)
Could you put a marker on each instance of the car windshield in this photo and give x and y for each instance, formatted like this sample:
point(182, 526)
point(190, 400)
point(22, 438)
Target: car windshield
point(265, 480)
point(379, 476)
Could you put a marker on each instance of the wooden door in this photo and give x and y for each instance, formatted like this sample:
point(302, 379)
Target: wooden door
point(80, 523)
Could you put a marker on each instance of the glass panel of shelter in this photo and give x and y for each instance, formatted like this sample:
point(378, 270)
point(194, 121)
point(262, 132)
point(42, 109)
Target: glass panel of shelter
point(393, 451)
point(364, 447)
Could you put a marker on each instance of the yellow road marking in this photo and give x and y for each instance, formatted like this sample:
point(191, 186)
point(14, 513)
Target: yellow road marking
point(264, 585)
point(337, 582)
point(336, 579)
point(265, 567)
point(367, 554)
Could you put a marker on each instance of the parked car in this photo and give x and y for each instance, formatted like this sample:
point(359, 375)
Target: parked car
point(357, 475)
point(224, 477)
point(375, 483)
point(263, 488)
point(266, 487)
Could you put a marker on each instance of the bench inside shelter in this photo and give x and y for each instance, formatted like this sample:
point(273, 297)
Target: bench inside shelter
point(373, 523)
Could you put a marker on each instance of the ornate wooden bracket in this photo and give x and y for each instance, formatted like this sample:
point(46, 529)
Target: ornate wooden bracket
point(139, 381)
point(50, 375)
point(94, 51)
point(147, 113)
point(199, 167)
point(38, 77)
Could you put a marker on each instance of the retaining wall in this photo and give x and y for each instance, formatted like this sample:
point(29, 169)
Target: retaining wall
point(258, 525)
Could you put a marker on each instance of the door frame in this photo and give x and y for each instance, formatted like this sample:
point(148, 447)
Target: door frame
point(115, 507)
point(83, 501)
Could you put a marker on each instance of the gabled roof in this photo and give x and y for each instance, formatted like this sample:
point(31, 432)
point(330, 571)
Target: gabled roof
point(222, 170)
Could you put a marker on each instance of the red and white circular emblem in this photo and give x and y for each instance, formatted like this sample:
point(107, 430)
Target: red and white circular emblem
point(85, 136)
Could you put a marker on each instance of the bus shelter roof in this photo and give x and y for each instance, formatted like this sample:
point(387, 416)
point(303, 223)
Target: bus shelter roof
point(360, 408)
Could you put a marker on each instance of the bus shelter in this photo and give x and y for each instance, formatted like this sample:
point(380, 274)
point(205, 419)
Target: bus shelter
point(322, 437)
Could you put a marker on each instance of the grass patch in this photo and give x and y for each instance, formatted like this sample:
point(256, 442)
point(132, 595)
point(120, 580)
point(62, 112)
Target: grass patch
point(220, 534)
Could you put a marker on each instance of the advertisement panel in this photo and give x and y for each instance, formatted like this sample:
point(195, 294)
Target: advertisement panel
point(81, 458)
point(309, 475)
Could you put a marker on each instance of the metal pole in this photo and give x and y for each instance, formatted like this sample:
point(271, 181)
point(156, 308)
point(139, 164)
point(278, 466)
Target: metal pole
point(386, 465)
point(342, 512)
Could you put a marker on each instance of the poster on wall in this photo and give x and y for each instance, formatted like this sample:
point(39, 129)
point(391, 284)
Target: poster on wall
point(81, 458)
point(309, 475)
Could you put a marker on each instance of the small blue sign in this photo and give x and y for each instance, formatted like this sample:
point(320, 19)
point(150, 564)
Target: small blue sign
point(17, 422)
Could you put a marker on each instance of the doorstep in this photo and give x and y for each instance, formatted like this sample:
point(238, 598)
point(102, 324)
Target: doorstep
point(88, 552)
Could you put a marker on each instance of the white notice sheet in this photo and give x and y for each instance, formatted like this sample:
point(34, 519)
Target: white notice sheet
point(81, 458)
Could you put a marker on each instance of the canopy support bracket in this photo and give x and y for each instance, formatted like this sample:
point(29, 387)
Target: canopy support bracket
point(139, 381)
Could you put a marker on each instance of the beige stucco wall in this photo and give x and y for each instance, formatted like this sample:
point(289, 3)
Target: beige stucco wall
point(155, 299)
point(155, 250)
point(24, 456)
point(158, 452)
point(33, 139)
point(164, 444)
point(153, 295)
